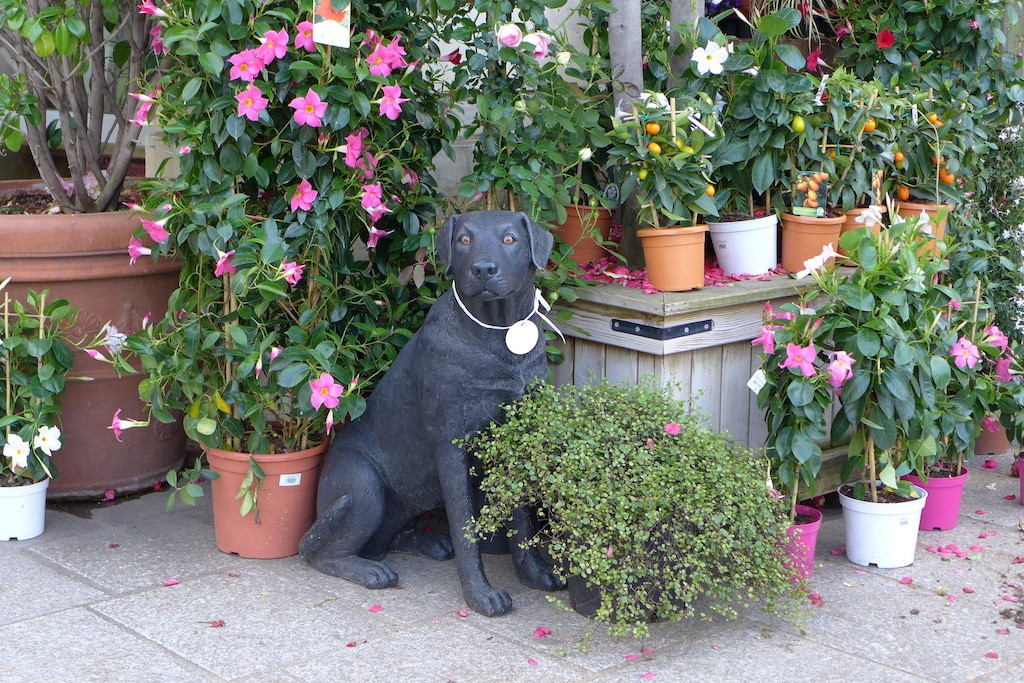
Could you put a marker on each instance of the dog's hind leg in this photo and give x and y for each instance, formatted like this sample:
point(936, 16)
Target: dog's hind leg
point(432, 544)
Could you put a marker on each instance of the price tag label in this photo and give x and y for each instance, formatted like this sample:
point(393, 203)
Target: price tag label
point(332, 26)
point(757, 381)
point(289, 480)
point(821, 91)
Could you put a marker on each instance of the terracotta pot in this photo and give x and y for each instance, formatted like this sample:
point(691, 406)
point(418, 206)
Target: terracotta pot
point(581, 225)
point(84, 258)
point(674, 257)
point(285, 504)
point(803, 237)
point(850, 223)
point(992, 443)
point(908, 209)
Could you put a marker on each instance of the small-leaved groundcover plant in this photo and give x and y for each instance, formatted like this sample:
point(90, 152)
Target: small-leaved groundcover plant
point(637, 496)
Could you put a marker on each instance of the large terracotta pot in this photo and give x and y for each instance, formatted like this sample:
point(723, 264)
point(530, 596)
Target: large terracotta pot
point(581, 225)
point(803, 237)
point(674, 257)
point(937, 227)
point(84, 258)
point(285, 503)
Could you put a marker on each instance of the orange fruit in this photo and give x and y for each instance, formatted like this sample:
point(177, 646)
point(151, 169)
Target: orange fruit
point(933, 119)
point(869, 125)
point(652, 128)
point(898, 157)
point(903, 192)
point(654, 147)
point(947, 177)
point(710, 190)
point(937, 160)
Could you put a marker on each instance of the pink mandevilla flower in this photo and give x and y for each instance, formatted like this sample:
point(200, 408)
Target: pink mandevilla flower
point(251, 102)
point(814, 61)
point(119, 425)
point(354, 147)
point(184, 149)
point(325, 392)
point(965, 353)
point(273, 46)
point(156, 42)
point(304, 196)
point(245, 65)
point(800, 358)
point(292, 272)
point(375, 235)
point(224, 264)
point(995, 337)
point(672, 429)
point(156, 229)
point(304, 37)
point(95, 355)
point(885, 40)
point(135, 250)
point(391, 101)
point(840, 369)
point(148, 7)
point(1002, 371)
point(766, 340)
point(372, 202)
point(990, 424)
point(309, 110)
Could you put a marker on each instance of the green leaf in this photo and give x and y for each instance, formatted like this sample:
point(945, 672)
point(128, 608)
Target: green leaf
point(888, 476)
point(941, 372)
point(45, 44)
point(762, 173)
point(212, 63)
point(14, 139)
point(868, 342)
point(293, 375)
point(791, 55)
point(800, 392)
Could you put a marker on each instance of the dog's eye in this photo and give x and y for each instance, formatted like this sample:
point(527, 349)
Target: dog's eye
point(465, 239)
point(508, 239)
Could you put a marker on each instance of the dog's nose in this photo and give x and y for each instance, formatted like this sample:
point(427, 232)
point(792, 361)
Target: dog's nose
point(484, 270)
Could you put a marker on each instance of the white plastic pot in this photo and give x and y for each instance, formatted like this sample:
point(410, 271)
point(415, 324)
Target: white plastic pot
point(883, 534)
point(746, 247)
point(22, 511)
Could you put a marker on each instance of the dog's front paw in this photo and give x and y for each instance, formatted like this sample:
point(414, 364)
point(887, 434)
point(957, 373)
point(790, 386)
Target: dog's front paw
point(490, 602)
point(535, 573)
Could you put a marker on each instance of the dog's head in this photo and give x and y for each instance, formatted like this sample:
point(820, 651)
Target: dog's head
point(492, 253)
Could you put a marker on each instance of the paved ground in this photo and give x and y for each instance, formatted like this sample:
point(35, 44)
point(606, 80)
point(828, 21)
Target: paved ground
point(86, 601)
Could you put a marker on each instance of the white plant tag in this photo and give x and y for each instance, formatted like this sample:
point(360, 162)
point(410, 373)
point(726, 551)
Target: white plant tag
point(330, 26)
point(289, 480)
point(821, 91)
point(522, 337)
point(757, 381)
point(914, 113)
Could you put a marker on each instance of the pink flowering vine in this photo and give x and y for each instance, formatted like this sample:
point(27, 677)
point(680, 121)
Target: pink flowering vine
point(1002, 370)
point(251, 102)
point(840, 369)
point(326, 392)
point(373, 202)
point(309, 110)
point(391, 101)
point(885, 39)
point(375, 235)
point(304, 37)
point(148, 7)
point(800, 358)
point(273, 46)
point(224, 264)
point(156, 230)
point(965, 353)
point(245, 65)
point(304, 196)
point(292, 272)
point(119, 425)
point(995, 337)
point(386, 58)
point(135, 250)
point(766, 340)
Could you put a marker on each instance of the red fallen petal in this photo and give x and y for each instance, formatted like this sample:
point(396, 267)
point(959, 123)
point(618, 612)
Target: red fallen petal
point(630, 658)
point(968, 589)
point(171, 582)
point(112, 546)
point(977, 548)
point(462, 613)
point(814, 596)
point(649, 675)
point(531, 661)
point(837, 552)
point(351, 643)
point(818, 603)
point(992, 655)
point(376, 608)
point(986, 534)
point(542, 632)
point(979, 512)
point(716, 646)
point(234, 574)
point(906, 580)
point(961, 554)
point(1003, 631)
point(1010, 497)
point(109, 494)
point(1018, 560)
point(990, 464)
point(217, 623)
point(932, 548)
point(646, 651)
point(952, 547)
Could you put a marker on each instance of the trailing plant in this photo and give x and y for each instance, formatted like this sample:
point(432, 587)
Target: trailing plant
point(639, 499)
point(34, 363)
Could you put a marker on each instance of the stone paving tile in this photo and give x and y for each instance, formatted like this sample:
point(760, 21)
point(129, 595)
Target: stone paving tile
point(750, 651)
point(1013, 673)
point(451, 651)
point(79, 645)
point(141, 553)
point(21, 579)
point(269, 622)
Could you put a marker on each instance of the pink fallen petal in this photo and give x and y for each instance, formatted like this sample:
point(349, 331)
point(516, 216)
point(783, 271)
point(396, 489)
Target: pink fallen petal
point(952, 547)
point(646, 650)
point(112, 546)
point(838, 552)
point(1009, 598)
point(932, 548)
point(906, 580)
point(648, 676)
point(968, 589)
point(1003, 631)
point(716, 646)
point(542, 632)
point(979, 512)
point(462, 613)
point(961, 554)
point(234, 574)
point(1018, 560)
point(109, 494)
point(1010, 497)
point(531, 661)
point(986, 534)
point(216, 623)
point(630, 658)
point(992, 655)
point(990, 464)
point(376, 608)
point(859, 571)
point(171, 582)
point(952, 598)
point(977, 549)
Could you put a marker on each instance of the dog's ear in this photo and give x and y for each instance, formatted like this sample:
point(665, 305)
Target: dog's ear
point(443, 243)
point(541, 242)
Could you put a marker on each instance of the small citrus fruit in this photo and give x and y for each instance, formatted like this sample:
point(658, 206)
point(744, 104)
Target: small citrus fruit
point(710, 191)
point(798, 125)
point(654, 147)
point(898, 157)
point(903, 193)
point(652, 128)
point(869, 125)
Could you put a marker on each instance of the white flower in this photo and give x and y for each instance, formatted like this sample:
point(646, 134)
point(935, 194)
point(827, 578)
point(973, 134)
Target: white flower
point(562, 58)
point(888, 154)
point(815, 263)
point(870, 216)
point(510, 35)
point(586, 153)
point(17, 450)
point(710, 58)
point(653, 101)
point(752, 71)
point(47, 440)
point(113, 339)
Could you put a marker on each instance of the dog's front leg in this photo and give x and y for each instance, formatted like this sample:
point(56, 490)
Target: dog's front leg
point(453, 471)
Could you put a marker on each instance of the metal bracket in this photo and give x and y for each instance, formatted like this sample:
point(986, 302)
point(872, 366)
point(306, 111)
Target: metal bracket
point(661, 333)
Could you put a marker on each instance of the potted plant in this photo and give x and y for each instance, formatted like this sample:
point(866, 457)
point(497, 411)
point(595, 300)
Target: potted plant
point(664, 147)
point(34, 363)
point(747, 162)
point(78, 98)
point(301, 215)
point(644, 510)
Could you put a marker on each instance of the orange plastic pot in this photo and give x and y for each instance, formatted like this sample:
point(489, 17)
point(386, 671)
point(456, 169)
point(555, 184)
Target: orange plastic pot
point(803, 237)
point(584, 226)
point(675, 257)
point(285, 504)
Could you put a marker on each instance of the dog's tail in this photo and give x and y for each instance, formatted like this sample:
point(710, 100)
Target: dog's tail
point(324, 527)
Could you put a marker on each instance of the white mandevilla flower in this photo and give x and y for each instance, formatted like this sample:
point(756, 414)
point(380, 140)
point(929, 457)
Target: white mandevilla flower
point(586, 153)
point(47, 440)
point(870, 216)
point(711, 58)
point(653, 102)
point(17, 450)
point(815, 263)
point(113, 339)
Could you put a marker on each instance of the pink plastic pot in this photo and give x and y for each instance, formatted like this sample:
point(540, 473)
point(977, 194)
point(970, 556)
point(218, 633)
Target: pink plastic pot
point(803, 538)
point(942, 509)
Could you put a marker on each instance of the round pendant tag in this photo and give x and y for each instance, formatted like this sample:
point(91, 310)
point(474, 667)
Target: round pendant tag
point(522, 337)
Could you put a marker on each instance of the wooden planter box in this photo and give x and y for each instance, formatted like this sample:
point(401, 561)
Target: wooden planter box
point(699, 340)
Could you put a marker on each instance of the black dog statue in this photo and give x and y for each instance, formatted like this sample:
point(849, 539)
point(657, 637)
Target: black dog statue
point(478, 348)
